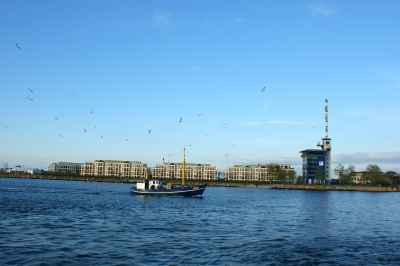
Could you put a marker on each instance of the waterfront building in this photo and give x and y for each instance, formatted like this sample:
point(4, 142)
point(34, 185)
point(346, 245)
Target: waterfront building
point(254, 173)
point(114, 168)
point(24, 170)
point(193, 171)
point(316, 165)
point(65, 167)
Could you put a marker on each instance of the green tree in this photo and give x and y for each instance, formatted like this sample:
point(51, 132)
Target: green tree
point(374, 174)
point(291, 175)
point(273, 171)
point(349, 173)
point(340, 172)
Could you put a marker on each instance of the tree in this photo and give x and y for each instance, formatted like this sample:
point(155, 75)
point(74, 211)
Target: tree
point(374, 174)
point(345, 175)
point(340, 171)
point(393, 177)
point(291, 175)
point(350, 173)
point(273, 171)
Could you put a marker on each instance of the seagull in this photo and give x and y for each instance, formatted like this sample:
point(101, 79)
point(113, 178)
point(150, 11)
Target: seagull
point(232, 145)
point(85, 130)
point(313, 126)
point(56, 118)
point(95, 128)
point(71, 93)
point(91, 112)
point(200, 114)
point(265, 120)
point(282, 89)
point(166, 128)
point(16, 45)
point(263, 89)
point(170, 155)
point(126, 139)
point(31, 99)
point(150, 130)
point(30, 90)
point(101, 136)
point(5, 126)
point(180, 120)
point(61, 136)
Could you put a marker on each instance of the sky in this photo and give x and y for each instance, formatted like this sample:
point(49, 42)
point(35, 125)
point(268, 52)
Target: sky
point(89, 79)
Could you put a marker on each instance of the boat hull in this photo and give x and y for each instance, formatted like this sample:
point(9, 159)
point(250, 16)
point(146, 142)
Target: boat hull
point(180, 192)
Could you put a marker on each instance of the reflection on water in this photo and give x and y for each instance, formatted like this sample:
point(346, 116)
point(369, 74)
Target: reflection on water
point(64, 222)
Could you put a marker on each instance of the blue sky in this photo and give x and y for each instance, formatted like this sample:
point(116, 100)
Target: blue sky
point(121, 68)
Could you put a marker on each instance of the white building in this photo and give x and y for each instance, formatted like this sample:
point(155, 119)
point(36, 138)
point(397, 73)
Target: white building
point(193, 171)
point(114, 168)
point(254, 173)
point(25, 170)
point(65, 167)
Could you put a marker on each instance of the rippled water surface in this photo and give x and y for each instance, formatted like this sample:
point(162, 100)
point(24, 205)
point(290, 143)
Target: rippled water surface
point(45, 222)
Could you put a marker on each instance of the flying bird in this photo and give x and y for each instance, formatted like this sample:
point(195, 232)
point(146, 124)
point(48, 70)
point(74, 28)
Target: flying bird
point(170, 155)
point(313, 126)
point(126, 139)
point(61, 136)
point(180, 120)
point(71, 93)
point(150, 131)
point(56, 118)
point(101, 136)
point(232, 145)
point(16, 45)
point(95, 128)
point(5, 126)
point(85, 130)
point(263, 89)
point(91, 112)
point(200, 114)
point(31, 99)
point(30, 90)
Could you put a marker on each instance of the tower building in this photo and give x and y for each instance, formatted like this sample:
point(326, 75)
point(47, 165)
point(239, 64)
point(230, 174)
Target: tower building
point(316, 166)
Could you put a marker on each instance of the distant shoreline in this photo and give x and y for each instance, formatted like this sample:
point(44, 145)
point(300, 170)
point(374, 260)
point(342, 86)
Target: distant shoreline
point(210, 184)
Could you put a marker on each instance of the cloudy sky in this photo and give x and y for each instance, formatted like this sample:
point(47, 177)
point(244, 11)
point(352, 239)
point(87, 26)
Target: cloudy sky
point(89, 79)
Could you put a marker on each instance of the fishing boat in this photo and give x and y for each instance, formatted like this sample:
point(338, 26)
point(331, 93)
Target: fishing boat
point(156, 188)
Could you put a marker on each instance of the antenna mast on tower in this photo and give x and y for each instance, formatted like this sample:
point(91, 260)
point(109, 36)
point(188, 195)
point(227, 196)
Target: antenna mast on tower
point(326, 118)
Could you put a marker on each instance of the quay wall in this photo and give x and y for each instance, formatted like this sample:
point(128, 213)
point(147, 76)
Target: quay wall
point(209, 183)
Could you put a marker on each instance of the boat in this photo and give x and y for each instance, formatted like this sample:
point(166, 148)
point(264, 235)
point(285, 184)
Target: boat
point(156, 188)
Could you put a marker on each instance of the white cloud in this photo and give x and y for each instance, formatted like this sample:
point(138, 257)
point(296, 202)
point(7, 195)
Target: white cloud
point(227, 156)
point(321, 10)
point(161, 18)
point(367, 158)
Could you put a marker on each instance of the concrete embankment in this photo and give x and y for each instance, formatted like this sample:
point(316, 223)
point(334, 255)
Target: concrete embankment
point(334, 188)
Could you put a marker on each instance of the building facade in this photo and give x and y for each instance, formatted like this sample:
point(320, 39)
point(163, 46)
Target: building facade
point(114, 168)
point(255, 173)
point(316, 165)
point(193, 171)
point(65, 167)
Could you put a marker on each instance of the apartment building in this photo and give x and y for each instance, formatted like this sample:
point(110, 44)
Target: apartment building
point(253, 173)
point(114, 168)
point(193, 171)
point(65, 167)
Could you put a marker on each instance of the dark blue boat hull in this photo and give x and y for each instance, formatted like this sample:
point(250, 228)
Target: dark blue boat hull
point(180, 192)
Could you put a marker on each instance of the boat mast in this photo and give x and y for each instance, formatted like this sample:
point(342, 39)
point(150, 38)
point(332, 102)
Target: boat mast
point(183, 167)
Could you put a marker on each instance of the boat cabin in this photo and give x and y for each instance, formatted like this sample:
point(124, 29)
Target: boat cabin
point(149, 184)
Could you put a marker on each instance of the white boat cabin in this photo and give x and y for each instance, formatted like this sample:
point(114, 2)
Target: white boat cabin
point(149, 184)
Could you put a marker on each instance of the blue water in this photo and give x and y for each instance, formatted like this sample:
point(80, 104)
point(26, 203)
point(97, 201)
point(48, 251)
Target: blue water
point(45, 222)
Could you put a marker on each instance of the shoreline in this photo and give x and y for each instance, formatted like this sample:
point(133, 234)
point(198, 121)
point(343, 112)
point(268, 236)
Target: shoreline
point(212, 184)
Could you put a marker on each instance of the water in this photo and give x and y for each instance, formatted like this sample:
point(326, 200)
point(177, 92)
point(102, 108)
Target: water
point(45, 222)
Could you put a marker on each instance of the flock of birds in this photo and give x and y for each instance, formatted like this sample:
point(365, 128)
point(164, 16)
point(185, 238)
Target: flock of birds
point(224, 125)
